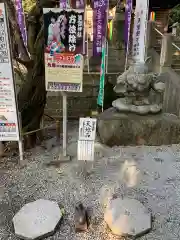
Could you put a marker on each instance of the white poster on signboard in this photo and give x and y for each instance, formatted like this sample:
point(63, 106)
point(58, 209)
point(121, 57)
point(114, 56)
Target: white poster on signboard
point(9, 129)
point(140, 30)
point(87, 135)
point(64, 45)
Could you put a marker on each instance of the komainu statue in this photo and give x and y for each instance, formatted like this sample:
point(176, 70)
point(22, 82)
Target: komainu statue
point(135, 86)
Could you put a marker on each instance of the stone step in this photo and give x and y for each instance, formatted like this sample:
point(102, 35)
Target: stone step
point(176, 65)
point(111, 69)
point(177, 71)
point(176, 57)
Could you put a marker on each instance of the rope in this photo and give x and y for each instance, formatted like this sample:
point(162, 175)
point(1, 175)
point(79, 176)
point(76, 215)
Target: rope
point(37, 130)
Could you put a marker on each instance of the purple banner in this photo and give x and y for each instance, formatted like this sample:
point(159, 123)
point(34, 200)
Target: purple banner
point(21, 20)
point(128, 13)
point(63, 4)
point(77, 4)
point(99, 25)
point(80, 4)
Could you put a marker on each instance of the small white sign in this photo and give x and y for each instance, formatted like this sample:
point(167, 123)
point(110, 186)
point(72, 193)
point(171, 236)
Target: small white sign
point(87, 135)
point(87, 129)
point(85, 150)
point(9, 129)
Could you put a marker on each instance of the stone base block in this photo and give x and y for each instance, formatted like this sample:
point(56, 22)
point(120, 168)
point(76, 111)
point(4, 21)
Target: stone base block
point(115, 129)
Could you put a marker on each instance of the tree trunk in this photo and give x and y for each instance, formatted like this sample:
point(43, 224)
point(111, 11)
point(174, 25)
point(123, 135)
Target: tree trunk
point(16, 30)
point(32, 95)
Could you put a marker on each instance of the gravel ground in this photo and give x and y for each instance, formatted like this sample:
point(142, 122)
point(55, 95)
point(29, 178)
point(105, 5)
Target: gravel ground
point(148, 174)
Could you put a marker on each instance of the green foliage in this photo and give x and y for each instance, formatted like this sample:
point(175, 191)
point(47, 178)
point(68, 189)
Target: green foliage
point(175, 15)
point(28, 4)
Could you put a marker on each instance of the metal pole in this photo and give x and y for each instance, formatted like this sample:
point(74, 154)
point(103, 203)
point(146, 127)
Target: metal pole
point(87, 53)
point(107, 53)
point(64, 125)
point(20, 142)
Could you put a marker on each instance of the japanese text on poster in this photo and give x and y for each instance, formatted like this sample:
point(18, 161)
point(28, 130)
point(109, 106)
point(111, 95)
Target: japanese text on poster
point(9, 130)
point(140, 29)
point(100, 9)
point(64, 33)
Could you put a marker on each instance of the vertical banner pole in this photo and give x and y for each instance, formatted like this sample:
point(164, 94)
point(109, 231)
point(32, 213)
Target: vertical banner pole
point(64, 124)
point(106, 39)
point(127, 28)
point(106, 59)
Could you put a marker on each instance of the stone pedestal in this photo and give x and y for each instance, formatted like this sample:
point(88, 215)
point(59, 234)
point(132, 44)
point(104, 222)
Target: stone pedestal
point(37, 220)
point(115, 129)
point(127, 217)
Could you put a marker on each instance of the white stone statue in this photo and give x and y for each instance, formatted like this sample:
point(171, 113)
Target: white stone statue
point(135, 86)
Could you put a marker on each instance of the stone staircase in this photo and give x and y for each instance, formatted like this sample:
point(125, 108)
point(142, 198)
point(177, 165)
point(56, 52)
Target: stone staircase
point(176, 53)
point(176, 57)
point(115, 61)
point(161, 23)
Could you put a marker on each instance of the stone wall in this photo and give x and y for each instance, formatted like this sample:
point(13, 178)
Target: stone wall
point(79, 104)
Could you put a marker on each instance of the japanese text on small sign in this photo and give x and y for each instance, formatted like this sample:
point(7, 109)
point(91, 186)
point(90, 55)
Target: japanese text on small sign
point(87, 129)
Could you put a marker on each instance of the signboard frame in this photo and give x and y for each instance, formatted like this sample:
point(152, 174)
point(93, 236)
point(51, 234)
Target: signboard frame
point(60, 63)
point(64, 156)
point(3, 9)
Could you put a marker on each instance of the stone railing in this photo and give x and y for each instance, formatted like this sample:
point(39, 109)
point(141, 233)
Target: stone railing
point(162, 59)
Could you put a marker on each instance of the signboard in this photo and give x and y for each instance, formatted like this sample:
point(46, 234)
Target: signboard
point(140, 30)
point(64, 36)
point(87, 134)
point(9, 129)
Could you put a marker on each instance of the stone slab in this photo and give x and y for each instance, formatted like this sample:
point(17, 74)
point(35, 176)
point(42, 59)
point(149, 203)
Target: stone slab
point(115, 129)
point(37, 219)
point(127, 217)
